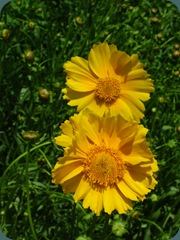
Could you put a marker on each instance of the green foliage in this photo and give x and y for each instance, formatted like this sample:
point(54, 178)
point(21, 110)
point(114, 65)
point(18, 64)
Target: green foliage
point(36, 38)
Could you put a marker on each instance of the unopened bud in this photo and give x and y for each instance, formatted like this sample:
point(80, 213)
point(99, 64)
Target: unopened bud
point(29, 56)
point(31, 25)
point(29, 135)
point(79, 20)
point(5, 34)
point(44, 94)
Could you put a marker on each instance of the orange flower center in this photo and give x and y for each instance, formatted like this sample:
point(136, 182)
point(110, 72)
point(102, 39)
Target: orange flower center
point(107, 90)
point(104, 166)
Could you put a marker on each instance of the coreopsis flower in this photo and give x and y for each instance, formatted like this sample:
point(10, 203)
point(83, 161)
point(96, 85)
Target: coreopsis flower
point(109, 83)
point(106, 162)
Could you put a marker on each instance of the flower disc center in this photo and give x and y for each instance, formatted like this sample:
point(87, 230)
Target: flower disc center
point(104, 166)
point(107, 90)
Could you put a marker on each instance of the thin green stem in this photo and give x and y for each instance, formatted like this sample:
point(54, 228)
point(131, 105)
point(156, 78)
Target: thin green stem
point(152, 223)
point(106, 222)
point(19, 158)
point(44, 156)
point(28, 201)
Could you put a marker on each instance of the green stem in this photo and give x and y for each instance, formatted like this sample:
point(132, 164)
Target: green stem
point(106, 222)
point(153, 223)
point(44, 156)
point(19, 158)
point(28, 200)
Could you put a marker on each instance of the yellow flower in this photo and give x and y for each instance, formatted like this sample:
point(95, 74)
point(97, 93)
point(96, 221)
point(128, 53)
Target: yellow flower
point(109, 83)
point(106, 162)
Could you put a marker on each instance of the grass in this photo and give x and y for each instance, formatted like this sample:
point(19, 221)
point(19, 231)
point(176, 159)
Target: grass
point(36, 38)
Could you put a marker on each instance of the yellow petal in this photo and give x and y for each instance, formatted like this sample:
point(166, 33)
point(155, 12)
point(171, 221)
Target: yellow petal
point(121, 62)
point(139, 95)
point(79, 66)
point(74, 172)
point(71, 185)
point(108, 200)
point(137, 107)
point(134, 101)
point(67, 128)
point(135, 63)
point(97, 109)
point(112, 48)
point(85, 101)
point(89, 130)
point(134, 159)
point(82, 189)
point(135, 185)
point(127, 191)
point(137, 74)
point(81, 142)
point(94, 200)
point(127, 131)
point(99, 57)
point(139, 86)
point(81, 86)
point(141, 134)
point(122, 204)
point(79, 98)
point(63, 140)
point(146, 181)
point(124, 110)
point(60, 171)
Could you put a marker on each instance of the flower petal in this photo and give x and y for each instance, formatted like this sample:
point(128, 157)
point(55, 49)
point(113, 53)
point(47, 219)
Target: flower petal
point(71, 185)
point(121, 62)
point(108, 200)
point(124, 110)
point(89, 130)
point(81, 86)
point(121, 203)
point(79, 66)
point(127, 191)
point(74, 172)
point(145, 86)
point(136, 106)
point(132, 180)
point(99, 57)
point(63, 140)
point(137, 74)
point(139, 95)
point(60, 170)
point(82, 189)
point(94, 200)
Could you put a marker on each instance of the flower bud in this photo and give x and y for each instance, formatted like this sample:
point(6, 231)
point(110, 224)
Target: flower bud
point(31, 25)
point(79, 20)
point(176, 53)
point(176, 73)
point(176, 46)
point(29, 56)
point(5, 34)
point(44, 94)
point(155, 19)
point(178, 129)
point(154, 10)
point(160, 35)
point(29, 135)
point(161, 100)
